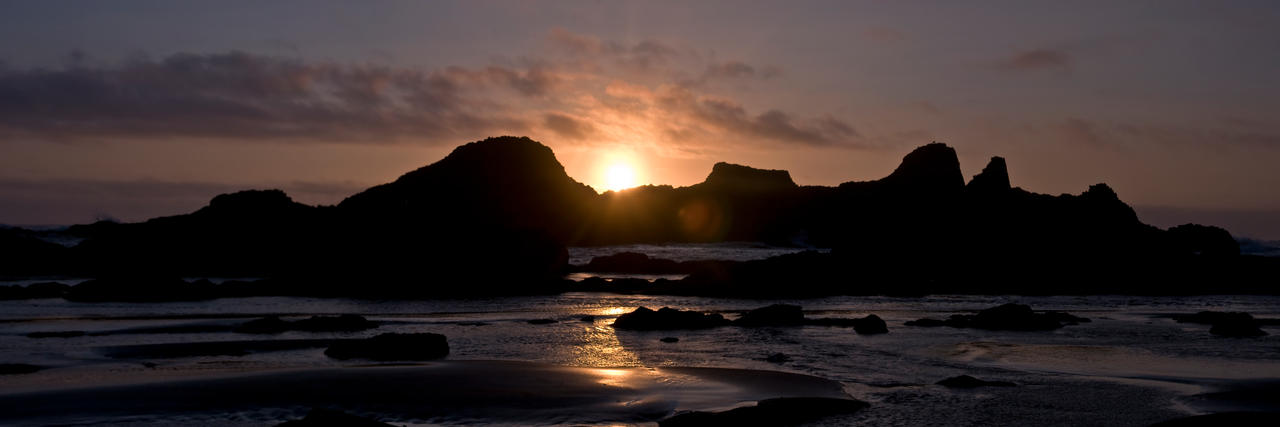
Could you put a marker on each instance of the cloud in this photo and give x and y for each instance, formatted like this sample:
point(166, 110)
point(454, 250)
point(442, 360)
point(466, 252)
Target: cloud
point(1039, 59)
point(238, 95)
point(580, 88)
point(568, 127)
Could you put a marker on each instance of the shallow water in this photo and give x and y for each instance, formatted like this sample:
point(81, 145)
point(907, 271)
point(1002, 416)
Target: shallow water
point(1131, 365)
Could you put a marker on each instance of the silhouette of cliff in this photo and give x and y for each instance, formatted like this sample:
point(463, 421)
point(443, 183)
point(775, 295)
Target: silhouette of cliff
point(501, 211)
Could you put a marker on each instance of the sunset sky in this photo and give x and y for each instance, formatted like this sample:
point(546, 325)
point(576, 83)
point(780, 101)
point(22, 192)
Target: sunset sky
point(130, 109)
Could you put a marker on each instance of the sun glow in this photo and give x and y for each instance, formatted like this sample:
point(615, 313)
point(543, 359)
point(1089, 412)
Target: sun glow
point(618, 176)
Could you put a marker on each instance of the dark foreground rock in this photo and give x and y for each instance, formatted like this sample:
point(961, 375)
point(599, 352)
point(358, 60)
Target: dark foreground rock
point(965, 381)
point(666, 318)
point(18, 368)
point(274, 325)
point(1007, 317)
point(773, 315)
point(392, 346)
point(869, 325)
point(1237, 419)
point(770, 412)
point(33, 291)
point(1228, 324)
point(329, 418)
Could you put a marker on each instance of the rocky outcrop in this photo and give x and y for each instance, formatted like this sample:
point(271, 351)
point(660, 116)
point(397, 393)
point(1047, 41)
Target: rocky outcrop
point(18, 368)
point(666, 318)
point(1006, 317)
point(992, 181)
point(773, 315)
point(731, 177)
point(392, 346)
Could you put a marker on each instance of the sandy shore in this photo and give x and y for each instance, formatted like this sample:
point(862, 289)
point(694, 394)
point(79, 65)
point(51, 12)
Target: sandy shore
point(442, 392)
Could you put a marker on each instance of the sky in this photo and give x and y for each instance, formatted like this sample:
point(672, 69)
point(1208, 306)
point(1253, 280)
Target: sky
point(135, 109)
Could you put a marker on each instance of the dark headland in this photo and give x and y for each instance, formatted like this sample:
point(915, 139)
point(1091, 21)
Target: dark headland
point(494, 217)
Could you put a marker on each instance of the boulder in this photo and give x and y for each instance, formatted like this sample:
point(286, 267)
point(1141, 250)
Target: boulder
point(965, 381)
point(392, 346)
point(644, 319)
point(1236, 325)
point(773, 315)
point(1007, 317)
point(870, 325)
point(18, 368)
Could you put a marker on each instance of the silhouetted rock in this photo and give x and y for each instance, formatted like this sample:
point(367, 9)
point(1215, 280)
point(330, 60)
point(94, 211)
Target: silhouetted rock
point(392, 346)
point(928, 323)
point(777, 358)
point(328, 418)
point(770, 412)
point(965, 381)
point(33, 291)
point(1203, 240)
point(992, 181)
point(587, 318)
point(18, 368)
point(773, 315)
point(644, 319)
point(728, 176)
point(1006, 317)
point(669, 339)
point(1230, 324)
point(869, 325)
point(631, 262)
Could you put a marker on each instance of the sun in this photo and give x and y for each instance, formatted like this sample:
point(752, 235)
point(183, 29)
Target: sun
point(619, 176)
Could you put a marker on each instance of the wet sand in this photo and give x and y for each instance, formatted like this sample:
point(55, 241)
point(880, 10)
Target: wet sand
point(441, 392)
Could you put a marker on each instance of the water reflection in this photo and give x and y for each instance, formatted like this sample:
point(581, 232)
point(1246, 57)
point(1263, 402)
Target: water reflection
point(599, 347)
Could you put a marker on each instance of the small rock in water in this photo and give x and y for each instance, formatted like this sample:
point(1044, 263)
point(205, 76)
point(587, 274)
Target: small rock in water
point(644, 319)
point(965, 381)
point(17, 368)
point(870, 325)
point(669, 339)
point(773, 315)
point(392, 346)
point(542, 321)
point(778, 358)
point(587, 318)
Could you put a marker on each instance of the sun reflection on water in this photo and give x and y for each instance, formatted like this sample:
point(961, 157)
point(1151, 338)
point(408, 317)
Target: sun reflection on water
point(599, 347)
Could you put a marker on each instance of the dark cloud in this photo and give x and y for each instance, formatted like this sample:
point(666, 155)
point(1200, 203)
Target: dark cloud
point(568, 127)
point(772, 125)
point(1039, 59)
point(240, 95)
